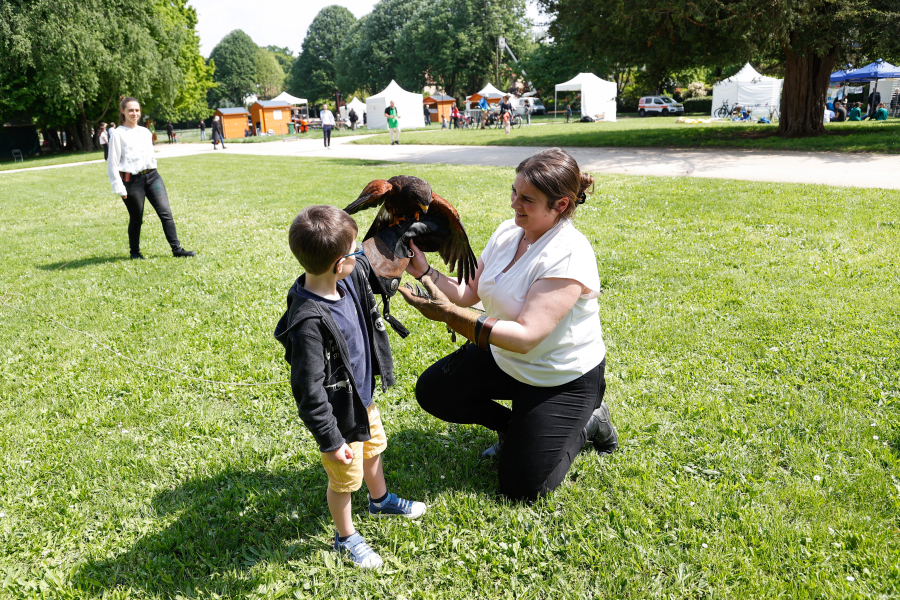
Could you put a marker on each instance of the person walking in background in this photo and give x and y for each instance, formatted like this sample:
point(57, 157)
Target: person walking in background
point(365, 121)
point(427, 114)
point(353, 119)
point(527, 112)
point(217, 134)
point(202, 131)
point(393, 124)
point(568, 112)
point(505, 113)
point(454, 117)
point(131, 168)
point(327, 118)
point(170, 131)
point(103, 138)
point(483, 105)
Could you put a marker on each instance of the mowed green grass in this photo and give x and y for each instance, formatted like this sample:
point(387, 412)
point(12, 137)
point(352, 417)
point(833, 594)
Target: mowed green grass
point(868, 136)
point(752, 374)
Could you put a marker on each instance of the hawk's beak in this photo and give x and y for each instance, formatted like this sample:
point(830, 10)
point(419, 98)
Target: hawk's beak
point(424, 207)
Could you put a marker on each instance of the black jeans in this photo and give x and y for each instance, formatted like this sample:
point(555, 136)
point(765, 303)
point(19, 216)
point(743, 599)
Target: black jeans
point(151, 187)
point(544, 430)
point(326, 132)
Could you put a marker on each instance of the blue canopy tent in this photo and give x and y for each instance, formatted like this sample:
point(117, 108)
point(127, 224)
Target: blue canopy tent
point(873, 72)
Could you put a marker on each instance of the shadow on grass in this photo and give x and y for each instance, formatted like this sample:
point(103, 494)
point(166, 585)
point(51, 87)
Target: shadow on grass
point(223, 526)
point(81, 262)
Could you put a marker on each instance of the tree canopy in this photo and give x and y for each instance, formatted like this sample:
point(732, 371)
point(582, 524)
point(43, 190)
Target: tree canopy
point(269, 76)
point(662, 36)
point(58, 72)
point(236, 71)
point(314, 72)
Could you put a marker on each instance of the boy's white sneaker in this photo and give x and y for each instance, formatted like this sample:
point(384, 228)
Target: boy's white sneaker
point(360, 552)
point(394, 506)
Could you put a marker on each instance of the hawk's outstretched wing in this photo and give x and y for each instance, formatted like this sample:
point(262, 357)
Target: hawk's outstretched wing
point(372, 195)
point(456, 251)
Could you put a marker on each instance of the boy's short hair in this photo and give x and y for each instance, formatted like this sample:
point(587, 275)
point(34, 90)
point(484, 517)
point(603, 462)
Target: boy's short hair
point(320, 235)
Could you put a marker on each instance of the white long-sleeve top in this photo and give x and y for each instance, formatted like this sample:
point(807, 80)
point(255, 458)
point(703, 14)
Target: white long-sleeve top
point(327, 117)
point(130, 151)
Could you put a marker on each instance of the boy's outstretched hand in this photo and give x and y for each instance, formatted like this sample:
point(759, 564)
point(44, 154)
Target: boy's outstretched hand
point(342, 455)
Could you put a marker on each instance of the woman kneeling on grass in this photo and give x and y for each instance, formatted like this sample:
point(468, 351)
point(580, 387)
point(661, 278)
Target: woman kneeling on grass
point(539, 343)
point(131, 167)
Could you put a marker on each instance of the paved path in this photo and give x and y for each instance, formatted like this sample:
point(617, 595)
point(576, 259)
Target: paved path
point(828, 168)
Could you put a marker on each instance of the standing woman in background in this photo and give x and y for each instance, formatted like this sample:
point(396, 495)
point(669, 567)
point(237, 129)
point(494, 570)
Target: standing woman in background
point(131, 167)
point(103, 138)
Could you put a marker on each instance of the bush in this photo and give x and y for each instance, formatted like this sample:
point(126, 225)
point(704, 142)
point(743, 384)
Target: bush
point(698, 105)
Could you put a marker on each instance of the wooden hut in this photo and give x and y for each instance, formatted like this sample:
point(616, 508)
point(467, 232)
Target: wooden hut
point(234, 121)
point(440, 105)
point(271, 116)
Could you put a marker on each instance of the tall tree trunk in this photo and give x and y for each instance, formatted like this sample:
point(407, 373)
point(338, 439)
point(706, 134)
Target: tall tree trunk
point(806, 78)
point(73, 139)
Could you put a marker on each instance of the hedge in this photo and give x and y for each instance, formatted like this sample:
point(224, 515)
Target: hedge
point(698, 105)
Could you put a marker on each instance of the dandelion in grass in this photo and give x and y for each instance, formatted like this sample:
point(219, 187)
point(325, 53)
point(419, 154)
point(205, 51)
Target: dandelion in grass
point(817, 478)
point(704, 546)
point(851, 578)
point(874, 437)
point(2, 515)
point(691, 504)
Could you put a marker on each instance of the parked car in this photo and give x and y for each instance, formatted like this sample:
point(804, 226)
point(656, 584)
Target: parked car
point(659, 105)
point(537, 107)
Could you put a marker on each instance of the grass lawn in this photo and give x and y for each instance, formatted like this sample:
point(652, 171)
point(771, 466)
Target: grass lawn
point(867, 136)
point(752, 374)
point(51, 159)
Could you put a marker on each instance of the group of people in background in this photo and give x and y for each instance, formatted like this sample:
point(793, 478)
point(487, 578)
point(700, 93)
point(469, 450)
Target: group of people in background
point(837, 111)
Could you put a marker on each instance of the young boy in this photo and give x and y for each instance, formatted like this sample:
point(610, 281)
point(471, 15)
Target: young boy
point(336, 343)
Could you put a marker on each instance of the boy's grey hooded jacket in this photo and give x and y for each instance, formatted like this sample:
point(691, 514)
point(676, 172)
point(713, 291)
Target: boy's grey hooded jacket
point(321, 374)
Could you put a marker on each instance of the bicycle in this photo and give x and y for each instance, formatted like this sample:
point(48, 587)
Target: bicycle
point(517, 121)
point(724, 110)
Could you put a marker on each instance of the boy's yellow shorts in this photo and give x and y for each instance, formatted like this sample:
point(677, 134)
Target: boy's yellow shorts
point(348, 478)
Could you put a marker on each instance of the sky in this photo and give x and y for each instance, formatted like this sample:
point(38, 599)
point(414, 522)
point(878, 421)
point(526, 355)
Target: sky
point(259, 19)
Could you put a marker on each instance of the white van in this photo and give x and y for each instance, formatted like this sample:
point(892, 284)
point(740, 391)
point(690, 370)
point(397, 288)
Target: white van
point(537, 107)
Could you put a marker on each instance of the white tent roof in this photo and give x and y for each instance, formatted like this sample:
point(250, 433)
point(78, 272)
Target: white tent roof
point(598, 96)
point(408, 104)
point(356, 104)
point(290, 99)
point(748, 88)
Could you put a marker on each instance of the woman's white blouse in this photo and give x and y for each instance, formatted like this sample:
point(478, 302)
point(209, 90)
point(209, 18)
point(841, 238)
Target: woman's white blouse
point(327, 117)
point(130, 151)
point(576, 345)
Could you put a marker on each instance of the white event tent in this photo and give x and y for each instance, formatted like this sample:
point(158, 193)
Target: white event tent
point(356, 104)
point(598, 96)
point(489, 93)
point(749, 89)
point(408, 104)
point(285, 97)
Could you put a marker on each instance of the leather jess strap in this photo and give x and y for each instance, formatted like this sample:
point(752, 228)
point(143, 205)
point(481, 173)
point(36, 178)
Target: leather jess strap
point(483, 327)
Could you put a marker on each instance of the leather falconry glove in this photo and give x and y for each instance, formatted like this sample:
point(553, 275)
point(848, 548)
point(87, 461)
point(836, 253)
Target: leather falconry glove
point(435, 306)
point(389, 253)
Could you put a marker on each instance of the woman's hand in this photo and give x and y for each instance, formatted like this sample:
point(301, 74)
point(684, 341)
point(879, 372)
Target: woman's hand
point(418, 266)
point(434, 306)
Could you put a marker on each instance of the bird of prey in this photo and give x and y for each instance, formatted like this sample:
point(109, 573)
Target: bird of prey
point(403, 198)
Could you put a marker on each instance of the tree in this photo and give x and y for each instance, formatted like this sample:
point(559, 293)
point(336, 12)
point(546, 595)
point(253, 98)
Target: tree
point(662, 36)
point(284, 56)
point(452, 43)
point(269, 76)
point(235, 60)
point(56, 70)
point(314, 73)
